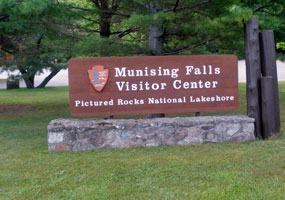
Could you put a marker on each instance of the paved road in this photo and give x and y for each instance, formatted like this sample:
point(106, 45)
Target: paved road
point(61, 79)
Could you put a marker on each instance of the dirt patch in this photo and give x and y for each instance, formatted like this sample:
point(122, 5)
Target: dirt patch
point(16, 109)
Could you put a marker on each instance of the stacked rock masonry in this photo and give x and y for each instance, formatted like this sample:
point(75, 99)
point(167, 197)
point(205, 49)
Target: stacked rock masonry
point(80, 135)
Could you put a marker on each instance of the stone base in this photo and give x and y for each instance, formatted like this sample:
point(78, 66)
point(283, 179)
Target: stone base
point(82, 134)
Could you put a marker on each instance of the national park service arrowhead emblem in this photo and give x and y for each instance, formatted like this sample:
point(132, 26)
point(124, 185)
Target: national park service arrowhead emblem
point(98, 77)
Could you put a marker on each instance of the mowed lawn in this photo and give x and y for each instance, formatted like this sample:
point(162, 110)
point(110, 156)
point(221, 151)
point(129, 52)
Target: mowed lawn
point(249, 170)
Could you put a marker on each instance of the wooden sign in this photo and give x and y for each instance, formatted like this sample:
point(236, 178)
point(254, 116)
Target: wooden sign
point(152, 84)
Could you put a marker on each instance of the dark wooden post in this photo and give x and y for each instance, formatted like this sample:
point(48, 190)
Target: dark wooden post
point(267, 106)
point(253, 73)
point(268, 68)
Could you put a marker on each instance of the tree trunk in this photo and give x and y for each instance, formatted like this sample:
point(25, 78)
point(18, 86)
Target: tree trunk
point(29, 79)
point(155, 40)
point(48, 78)
point(155, 31)
point(105, 21)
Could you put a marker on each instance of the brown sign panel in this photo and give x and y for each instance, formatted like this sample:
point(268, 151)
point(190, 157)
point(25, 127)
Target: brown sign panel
point(154, 84)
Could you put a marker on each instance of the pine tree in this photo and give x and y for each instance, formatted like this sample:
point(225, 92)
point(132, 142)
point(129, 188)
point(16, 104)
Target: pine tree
point(37, 27)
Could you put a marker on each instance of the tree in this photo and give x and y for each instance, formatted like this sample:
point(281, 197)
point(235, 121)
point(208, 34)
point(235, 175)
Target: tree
point(155, 27)
point(51, 31)
point(37, 27)
point(174, 26)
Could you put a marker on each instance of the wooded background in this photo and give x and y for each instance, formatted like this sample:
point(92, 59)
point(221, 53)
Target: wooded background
point(44, 34)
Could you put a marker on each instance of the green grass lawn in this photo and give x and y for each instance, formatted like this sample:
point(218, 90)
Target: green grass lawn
point(249, 170)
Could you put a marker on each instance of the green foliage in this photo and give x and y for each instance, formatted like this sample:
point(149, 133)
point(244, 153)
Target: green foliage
point(97, 46)
point(36, 26)
point(190, 27)
point(137, 20)
point(281, 45)
point(60, 29)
